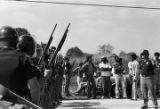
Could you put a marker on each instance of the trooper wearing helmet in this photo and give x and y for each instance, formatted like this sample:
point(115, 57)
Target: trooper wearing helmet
point(27, 44)
point(16, 71)
point(8, 37)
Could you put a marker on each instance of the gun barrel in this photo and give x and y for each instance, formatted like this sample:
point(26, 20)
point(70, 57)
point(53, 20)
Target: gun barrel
point(47, 46)
point(18, 99)
point(59, 46)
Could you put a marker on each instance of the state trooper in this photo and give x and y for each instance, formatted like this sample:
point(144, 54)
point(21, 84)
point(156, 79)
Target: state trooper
point(16, 70)
point(147, 76)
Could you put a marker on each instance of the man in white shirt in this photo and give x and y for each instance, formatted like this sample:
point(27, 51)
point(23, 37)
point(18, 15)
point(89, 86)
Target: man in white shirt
point(105, 69)
point(133, 71)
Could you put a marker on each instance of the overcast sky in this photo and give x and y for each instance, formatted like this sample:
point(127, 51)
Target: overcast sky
point(126, 29)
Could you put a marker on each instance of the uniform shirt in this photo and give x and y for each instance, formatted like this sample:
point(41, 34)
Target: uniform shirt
point(133, 67)
point(15, 70)
point(146, 67)
point(105, 69)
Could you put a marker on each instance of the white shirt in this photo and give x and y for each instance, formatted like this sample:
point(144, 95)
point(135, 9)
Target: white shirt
point(105, 73)
point(133, 67)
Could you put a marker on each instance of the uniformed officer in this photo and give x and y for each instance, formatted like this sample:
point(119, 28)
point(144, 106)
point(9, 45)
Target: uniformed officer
point(89, 70)
point(156, 64)
point(147, 74)
point(16, 70)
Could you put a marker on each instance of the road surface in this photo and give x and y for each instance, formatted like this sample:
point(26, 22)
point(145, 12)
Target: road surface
point(103, 104)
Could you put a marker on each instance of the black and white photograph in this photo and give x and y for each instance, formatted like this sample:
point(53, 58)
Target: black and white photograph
point(79, 54)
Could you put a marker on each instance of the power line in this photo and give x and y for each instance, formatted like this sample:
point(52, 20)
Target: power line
point(89, 4)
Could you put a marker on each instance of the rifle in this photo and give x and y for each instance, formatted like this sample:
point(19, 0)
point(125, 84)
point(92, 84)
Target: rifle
point(51, 62)
point(47, 47)
point(11, 96)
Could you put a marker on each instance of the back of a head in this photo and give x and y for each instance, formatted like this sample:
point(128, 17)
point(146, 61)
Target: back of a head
point(133, 56)
point(27, 44)
point(88, 57)
point(8, 36)
point(157, 54)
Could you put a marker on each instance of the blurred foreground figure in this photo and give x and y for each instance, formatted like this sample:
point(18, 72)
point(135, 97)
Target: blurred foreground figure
point(16, 70)
point(147, 76)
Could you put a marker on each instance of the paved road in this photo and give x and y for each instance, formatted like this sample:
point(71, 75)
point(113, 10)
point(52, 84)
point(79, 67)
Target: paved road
point(103, 104)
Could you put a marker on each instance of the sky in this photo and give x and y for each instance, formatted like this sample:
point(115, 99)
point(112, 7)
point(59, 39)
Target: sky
point(130, 30)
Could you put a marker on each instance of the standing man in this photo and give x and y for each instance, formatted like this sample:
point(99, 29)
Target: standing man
point(118, 70)
point(16, 69)
point(89, 69)
point(147, 76)
point(133, 72)
point(67, 75)
point(156, 64)
point(105, 69)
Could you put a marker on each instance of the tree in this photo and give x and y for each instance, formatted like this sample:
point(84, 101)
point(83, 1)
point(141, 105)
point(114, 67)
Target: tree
point(106, 49)
point(74, 52)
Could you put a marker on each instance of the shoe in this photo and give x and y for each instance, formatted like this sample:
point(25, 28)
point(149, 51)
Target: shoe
point(144, 106)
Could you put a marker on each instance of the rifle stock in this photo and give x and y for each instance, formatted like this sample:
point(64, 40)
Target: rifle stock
point(58, 47)
point(11, 96)
point(47, 46)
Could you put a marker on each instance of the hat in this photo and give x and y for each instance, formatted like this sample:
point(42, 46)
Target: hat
point(103, 57)
point(145, 52)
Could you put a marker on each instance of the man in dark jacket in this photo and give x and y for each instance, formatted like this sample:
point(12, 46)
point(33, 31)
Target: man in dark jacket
point(147, 75)
point(88, 68)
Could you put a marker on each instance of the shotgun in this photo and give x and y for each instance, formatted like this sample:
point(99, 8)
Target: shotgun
point(11, 96)
point(47, 47)
point(51, 62)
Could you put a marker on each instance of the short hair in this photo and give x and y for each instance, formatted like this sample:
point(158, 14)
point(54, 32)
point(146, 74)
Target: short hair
point(134, 56)
point(156, 54)
point(88, 57)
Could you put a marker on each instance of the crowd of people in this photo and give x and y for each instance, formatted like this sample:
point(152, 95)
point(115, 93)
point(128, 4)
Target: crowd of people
point(46, 85)
point(140, 82)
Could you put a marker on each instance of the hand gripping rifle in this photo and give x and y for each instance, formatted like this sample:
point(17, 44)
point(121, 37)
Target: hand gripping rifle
point(51, 62)
point(47, 47)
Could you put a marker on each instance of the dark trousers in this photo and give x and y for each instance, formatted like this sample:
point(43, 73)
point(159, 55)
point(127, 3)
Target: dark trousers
point(67, 83)
point(147, 86)
point(91, 87)
point(106, 85)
